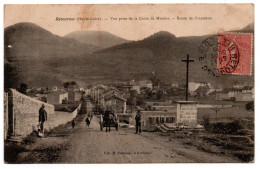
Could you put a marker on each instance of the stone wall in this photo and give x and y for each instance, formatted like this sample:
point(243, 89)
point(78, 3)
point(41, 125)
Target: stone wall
point(25, 112)
point(151, 119)
point(60, 117)
point(5, 115)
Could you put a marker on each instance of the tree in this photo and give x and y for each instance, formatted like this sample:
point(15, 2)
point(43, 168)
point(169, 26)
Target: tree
point(250, 106)
point(23, 88)
point(155, 81)
point(66, 85)
point(73, 83)
point(206, 122)
point(217, 108)
point(159, 94)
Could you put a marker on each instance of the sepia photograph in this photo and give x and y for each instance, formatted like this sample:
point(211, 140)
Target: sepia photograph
point(129, 83)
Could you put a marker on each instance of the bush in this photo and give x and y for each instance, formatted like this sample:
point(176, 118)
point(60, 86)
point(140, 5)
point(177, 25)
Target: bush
point(206, 123)
point(227, 128)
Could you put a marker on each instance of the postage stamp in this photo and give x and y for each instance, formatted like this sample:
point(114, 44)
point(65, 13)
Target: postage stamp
point(128, 83)
point(234, 53)
point(227, 53)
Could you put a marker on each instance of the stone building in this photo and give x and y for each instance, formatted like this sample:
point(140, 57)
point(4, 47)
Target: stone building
point(117, 103)
point(242, 97)
point(57, 97)
point(74, 96)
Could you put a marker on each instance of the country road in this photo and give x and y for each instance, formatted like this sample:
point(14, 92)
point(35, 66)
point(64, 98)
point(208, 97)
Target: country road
point(90, 145)
point(93, 146)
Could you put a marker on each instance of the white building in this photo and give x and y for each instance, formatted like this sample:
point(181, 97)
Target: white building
point(146, 83)
point(175, 85)
point(193, 86)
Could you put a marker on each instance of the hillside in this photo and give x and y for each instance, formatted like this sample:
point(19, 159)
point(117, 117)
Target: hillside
point(163, 53)
point(30, 50)
point(100, 39)
point(36, 57)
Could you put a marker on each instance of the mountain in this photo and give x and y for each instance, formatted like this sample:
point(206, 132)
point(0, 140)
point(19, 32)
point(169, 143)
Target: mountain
point(39, 58)
point(100, 39)
point(30, 40)
point(32, 53)
point(164, 52)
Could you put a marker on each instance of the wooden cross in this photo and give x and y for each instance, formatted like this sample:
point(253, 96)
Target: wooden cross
point(187, 74)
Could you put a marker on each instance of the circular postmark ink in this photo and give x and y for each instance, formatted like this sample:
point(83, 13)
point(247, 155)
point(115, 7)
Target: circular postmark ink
point(219, 54)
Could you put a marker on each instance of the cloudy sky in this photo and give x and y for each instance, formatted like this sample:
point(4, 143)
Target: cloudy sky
point(224, 18)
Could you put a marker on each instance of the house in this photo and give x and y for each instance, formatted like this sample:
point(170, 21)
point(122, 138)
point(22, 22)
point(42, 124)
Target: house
point(221, 96)
point(175, 85)
point(117, 103)
point(193, 86)
point(73, 87)
point(132, 82)
point(232, 92)
point(238, 86)
point(136, 88)
point(146, 83)
point(244, 97)
point(248, 89)
point(213, 91)
point(113, 91)
point(57, 97)
point(74, 96)
point(202, 91)
point(228, 94)
point(125, 88)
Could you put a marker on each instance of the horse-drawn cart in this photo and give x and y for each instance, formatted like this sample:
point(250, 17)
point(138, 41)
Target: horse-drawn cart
point(109, 120)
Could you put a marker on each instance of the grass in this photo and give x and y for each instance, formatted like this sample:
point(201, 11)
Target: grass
point(220, 144)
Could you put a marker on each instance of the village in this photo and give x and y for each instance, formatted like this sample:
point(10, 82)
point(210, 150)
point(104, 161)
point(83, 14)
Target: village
point(129, 83)
point(162, 106)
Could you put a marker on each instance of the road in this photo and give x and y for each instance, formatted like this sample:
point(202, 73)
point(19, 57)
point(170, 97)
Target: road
point(90, 145)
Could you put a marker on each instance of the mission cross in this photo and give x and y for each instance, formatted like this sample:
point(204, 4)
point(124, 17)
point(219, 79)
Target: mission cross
point(187, 74)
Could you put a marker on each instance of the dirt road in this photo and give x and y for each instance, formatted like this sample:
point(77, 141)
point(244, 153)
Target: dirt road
point(90, 145)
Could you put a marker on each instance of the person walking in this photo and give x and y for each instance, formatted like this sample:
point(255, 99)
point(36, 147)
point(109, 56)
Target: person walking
point(107, 119)
point(42, 118)
point(73, 123)
point(138, 122)
point(87, 121)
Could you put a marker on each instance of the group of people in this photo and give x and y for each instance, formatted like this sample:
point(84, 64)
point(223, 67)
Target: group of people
point(108, 118)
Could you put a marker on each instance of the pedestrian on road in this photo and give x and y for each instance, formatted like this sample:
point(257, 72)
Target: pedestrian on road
point(87, 121)
point(138, 122)
point(107, 119)
point(73, 123)
point(42, 118)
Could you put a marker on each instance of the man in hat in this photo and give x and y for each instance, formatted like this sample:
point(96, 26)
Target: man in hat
point(138, 122)
point(107, 118)
point(42, 117)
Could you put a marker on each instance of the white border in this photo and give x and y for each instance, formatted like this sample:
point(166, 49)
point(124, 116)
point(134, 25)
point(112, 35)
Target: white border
point(150, 166)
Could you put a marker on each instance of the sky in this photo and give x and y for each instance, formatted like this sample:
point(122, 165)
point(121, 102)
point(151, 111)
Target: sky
point(224, 17)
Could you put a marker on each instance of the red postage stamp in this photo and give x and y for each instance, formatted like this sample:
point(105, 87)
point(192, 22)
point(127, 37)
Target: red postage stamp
point(235, 53)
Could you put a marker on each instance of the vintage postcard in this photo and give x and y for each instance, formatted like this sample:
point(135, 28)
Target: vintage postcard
point(139, 83)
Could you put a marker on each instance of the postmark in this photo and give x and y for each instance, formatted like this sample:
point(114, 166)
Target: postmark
point(227, 53)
